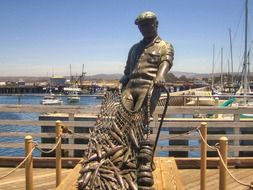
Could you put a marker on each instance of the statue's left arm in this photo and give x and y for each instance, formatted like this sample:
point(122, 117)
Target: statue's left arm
point(166, 62)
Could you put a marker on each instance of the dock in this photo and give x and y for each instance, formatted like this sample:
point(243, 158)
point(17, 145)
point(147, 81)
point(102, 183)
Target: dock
point(238, 130)
point(175, 170)
point(44, 178)
point(167, 177)
point(190, 178)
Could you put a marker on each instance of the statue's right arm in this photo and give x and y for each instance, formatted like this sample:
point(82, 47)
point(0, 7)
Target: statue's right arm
point(125, 78)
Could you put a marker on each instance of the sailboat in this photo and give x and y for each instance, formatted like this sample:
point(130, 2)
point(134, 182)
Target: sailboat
point(244, 87)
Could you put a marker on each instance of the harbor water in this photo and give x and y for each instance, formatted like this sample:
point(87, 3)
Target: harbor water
point(34, 100)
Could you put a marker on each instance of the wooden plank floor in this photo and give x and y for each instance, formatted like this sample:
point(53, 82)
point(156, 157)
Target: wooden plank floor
point(191, 178)
point(44, 179)
point(167, 177)
point(70, 182)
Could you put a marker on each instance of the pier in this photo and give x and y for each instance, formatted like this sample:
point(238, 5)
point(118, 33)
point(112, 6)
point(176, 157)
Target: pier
point(178, 133)
point(44, 178)
point(216, 126)
point(87, 86)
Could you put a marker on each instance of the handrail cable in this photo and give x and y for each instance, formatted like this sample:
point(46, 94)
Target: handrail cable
point(36, 146)
point(185, 133)
point(202, 138)
point(223, 163)
point(49, 151)
point(21, 163)
point(237, 180)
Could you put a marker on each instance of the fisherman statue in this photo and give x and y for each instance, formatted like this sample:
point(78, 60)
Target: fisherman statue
point(148, 62)
point(120, 152)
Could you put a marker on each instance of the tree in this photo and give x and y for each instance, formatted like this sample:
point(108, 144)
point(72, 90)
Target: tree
point(183, 78)
point(170, 77)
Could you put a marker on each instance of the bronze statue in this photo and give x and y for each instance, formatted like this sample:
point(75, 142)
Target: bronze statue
point(148, 61)
point(120, 153)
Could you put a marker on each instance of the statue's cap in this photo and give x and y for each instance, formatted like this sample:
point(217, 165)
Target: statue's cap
point(147, 15)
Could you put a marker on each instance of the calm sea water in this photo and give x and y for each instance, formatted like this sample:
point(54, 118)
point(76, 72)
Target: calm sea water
point(35, 100)
point(165, 131)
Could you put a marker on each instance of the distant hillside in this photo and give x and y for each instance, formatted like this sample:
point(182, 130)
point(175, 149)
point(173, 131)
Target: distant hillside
point(202, 75)
point(186, 74)
point(23, 78)
point(104, 76)
point(115, 76)
point(118, 76)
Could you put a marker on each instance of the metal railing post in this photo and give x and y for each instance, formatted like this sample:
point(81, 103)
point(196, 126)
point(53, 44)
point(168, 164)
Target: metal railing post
point(71, 140)
point(216, 104)
point(197, 100)
point(28, 163)
point(58, 152)
point(203, 130)
point(184, 100)
point(223, 174)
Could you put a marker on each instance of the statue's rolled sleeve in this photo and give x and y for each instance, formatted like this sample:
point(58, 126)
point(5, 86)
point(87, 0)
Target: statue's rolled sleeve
point(166, 62)
point(168, 55)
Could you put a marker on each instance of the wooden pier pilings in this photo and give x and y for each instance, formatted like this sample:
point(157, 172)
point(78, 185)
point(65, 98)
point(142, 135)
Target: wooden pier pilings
point(21, 90)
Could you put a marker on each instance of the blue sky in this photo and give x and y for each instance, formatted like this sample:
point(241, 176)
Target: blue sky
point(43, 37)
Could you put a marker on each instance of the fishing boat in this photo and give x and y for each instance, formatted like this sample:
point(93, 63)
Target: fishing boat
point(51, 99)
point(72, 94)
point(73, 91)
point(73, 97)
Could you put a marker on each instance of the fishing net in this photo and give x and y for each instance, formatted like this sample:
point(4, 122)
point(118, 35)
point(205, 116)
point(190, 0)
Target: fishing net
point(119, 154)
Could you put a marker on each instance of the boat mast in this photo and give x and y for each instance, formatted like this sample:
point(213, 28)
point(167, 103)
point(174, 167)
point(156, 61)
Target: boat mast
point(70, 73)
point(221, 76)
point(213, 68)
point(231, 54)
point(245, 81)
point(228, 68)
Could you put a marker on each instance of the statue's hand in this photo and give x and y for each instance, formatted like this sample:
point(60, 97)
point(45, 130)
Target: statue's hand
point(120, 87)
point(159, 81)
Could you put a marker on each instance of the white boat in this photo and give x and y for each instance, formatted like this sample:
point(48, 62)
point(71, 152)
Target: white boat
point(205, 99)
point(68, 90)
point(72, 94)
point(73, 97)
point(51, 99)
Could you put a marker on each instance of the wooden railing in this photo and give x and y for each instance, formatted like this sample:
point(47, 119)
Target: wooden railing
point(174, 138)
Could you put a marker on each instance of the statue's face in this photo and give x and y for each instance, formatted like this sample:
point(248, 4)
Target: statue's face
point(148, 28)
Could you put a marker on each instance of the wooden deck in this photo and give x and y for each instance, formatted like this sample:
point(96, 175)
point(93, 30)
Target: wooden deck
point(191, 178)
point(43, 179)
point(167, 177)
point(166, 174)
